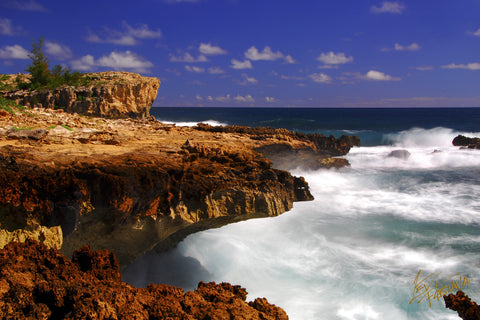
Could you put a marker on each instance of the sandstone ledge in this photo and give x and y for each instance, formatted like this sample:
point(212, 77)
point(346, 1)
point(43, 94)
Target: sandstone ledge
point(106, 94)
point(133, 185)
point(41, 283)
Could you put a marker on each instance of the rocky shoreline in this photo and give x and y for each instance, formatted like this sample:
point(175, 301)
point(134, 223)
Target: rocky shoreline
point(126, 183)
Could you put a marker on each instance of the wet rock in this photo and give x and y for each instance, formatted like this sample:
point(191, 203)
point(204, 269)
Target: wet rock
point(470, 143)
point(466, 309)
point(400, 154)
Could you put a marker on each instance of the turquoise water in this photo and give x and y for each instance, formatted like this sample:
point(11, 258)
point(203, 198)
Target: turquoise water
point(355, 251)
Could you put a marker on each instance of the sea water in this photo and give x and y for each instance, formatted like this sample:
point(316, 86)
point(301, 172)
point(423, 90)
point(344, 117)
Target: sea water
point(373, 229)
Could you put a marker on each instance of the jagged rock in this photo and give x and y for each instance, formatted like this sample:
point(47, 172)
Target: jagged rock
point(40, 283)
point(52, 237)
point(33, 134)
point(466, 309)
point(470, 143)
point(400, 154)
point(110, 94)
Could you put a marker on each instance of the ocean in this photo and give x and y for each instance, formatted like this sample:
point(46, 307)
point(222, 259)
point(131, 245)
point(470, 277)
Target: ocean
point(376, 232)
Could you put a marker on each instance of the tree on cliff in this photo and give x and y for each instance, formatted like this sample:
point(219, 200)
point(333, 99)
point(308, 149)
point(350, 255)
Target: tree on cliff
point(40, 75)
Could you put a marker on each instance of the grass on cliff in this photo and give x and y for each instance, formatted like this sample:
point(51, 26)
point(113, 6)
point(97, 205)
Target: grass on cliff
point(9, 106)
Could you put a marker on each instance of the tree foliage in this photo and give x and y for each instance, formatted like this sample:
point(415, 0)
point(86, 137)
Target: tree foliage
point(41, 77)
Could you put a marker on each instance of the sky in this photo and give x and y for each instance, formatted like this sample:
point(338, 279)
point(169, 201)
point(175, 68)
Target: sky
point(260, 53)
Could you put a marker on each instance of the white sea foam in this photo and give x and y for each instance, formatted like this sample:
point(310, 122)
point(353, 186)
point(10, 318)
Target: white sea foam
point(193, 124)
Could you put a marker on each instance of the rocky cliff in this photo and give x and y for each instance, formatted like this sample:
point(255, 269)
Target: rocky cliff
point(132, 185)
point(105, 94)
point(40, 283)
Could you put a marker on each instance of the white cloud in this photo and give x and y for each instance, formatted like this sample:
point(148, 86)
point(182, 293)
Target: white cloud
point(215, 70)
point(270, 99)
point(209, 98)
point(208, 49)
point(320, 78)
point(86, 63)
point(194, 69)
point(424, 68)
point(225, 98)
point(469, 66)
point(198, 97)
point(58, 51)
point(267, 54)
point(127, 37)
point(476, 33)
point(6, 27)
point(187, 57)
point(241, 65)
point(14, 52)
point(247, 98)
point(246, 80)
point(379, 76)
point(330, 58)
point(24, 5)
point(116, 60)
point(411, 47)
point(389, 7)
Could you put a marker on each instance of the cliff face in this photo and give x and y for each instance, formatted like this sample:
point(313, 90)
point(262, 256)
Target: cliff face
point(41, 283)
point(133, 185)
point(107, 94)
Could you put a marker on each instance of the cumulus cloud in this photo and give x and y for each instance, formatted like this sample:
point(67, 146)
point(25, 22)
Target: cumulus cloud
point(187, 57)
point(24, 5)
point(389, 7)
point(215, 70)
point(194, 69)
point(115, 60)
point(379, 76)
point(246, 80)
point(13, 52)
point(424, 68)
point(225, 98)
point(6, 27)
point(469, 66)
point(270, 99)
point(208, 49)
point(320, 78)
point(236, 64)
point(332, 58)
point(267, 54)
point(398, 47)
point(58, 51)
point(129, 36)
point(247, 98)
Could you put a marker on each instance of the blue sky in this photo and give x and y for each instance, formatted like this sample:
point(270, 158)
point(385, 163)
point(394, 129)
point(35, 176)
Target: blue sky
point(304, 53)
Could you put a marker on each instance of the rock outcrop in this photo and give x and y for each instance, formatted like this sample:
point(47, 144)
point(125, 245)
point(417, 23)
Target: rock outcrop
point(470, 143)
point(105, 94)
point(466, 309)
point(134, 185)
point(40, 283)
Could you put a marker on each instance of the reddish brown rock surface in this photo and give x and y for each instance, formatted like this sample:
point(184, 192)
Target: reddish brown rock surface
point(41, 283)
point(466, 309)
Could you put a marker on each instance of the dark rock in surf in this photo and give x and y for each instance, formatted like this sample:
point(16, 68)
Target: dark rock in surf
point(470, 143)
point(400, 154)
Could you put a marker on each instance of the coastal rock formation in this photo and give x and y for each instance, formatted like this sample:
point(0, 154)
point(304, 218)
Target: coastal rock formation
point(40, 283)
point(134, 185)
point(106, 94)
point(466, 309)
point(317, 151)
point(470, 143)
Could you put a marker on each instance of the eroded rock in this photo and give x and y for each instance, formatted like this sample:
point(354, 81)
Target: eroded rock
point(41, 283)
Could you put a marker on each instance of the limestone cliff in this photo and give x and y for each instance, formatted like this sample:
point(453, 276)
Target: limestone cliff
point(106, 94)
point(41, 283)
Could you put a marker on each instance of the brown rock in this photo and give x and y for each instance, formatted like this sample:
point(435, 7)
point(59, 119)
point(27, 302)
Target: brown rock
point(110, 94)
point(470, 143)
point(466, 309)
point(41, 283)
